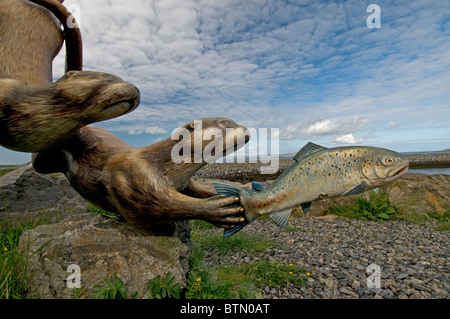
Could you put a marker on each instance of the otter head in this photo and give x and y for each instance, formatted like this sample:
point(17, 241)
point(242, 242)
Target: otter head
point(37, 118)
point(207, 139)
point(197, 143)
point(94, 96)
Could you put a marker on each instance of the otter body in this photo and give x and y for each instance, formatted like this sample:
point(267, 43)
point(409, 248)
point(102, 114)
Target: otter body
point(142, 184)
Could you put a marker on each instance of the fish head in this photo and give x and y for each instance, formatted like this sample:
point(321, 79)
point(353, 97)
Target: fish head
point(381, 166)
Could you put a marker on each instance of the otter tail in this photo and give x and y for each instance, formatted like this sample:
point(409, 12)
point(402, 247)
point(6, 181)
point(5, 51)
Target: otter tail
point(72, 34)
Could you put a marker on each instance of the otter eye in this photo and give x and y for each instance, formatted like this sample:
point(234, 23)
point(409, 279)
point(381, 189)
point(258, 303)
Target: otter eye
point(71, 73)
point(225, 123)
point(389, 161)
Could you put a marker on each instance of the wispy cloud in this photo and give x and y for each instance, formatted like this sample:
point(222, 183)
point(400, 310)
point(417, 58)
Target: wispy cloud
point(311, 68)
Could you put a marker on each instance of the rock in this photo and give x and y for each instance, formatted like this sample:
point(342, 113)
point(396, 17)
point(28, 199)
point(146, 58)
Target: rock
point(102, 246)
point(26, 195)
point(421, 193)
point(402, 276)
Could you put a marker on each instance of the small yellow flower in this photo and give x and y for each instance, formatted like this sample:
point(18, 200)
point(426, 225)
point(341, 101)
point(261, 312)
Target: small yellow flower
point(5, 249)
point(290, 265)
point(290, 273)
point(308, 274)
point(270, 280)
point(198, 279)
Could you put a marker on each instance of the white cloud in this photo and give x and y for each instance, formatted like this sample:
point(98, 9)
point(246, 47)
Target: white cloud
point(346, 139)
point(315, 128)
point(148, 130)
point(311, 68)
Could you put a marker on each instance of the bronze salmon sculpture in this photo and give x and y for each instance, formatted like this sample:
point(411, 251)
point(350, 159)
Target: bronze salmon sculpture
point(317, 173)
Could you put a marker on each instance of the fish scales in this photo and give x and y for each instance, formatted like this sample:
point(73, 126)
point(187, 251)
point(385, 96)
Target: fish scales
point(318, 173)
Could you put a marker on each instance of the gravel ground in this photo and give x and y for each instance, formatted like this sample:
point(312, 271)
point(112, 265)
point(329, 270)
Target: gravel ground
point(414, 260)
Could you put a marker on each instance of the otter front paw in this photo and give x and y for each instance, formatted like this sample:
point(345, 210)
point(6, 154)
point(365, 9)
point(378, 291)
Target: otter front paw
point(224, 212)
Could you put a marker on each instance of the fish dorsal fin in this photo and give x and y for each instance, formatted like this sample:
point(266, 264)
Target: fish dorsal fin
point(358, 189)
point(258, 186)
point(281, 218)
point(307, 150)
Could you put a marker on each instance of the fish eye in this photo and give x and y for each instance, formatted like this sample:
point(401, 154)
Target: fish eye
point(389, 161)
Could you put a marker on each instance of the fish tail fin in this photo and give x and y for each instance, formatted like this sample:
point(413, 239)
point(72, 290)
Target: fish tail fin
point(230, 190)
point(231, 231)
point(226, 189)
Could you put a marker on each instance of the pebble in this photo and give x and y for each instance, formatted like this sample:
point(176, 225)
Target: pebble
point(413, 260)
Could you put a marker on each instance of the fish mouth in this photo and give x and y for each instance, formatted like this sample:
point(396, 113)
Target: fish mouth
point(404, 169)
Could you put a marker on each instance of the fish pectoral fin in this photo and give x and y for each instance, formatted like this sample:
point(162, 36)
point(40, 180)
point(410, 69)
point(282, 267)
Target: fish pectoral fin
point(358, 189)
point(306, 207)
point(258, 186)
point(281, 218)
point(307, 150)
point(231, 231)
point(226, 189)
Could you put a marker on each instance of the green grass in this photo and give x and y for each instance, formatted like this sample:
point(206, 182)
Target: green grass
point(92, 209)
point(208, 237)
point(245, 281)
point(12, 264)
point(6, 171)
point(263, 273)
point(443, 221)
point(377, 208)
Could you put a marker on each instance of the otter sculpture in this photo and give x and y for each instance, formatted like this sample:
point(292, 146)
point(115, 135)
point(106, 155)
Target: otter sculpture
point(144, 184)
point(51, 120)
point(36, 114)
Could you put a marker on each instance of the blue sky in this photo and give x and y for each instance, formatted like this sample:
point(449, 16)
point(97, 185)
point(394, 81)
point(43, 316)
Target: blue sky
point(311, 68)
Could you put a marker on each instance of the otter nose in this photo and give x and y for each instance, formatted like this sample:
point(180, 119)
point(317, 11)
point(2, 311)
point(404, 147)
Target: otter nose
point(137, 100)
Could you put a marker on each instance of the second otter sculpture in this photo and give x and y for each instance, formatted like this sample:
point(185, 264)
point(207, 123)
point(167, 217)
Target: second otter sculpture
point(36, 114)
point(144, 184)
point(36, 118)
